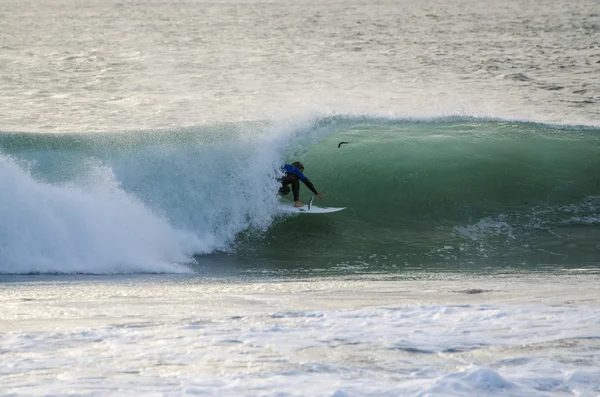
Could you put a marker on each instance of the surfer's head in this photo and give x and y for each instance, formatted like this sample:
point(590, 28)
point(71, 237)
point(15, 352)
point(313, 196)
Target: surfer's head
point(298, 165)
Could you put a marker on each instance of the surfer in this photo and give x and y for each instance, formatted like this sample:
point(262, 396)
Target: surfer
point(294, 174)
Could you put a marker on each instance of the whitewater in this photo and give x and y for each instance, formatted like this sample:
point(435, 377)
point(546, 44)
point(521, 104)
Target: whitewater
point(141, 251)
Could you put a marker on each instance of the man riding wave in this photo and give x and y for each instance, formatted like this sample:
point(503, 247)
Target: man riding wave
point(293, 176)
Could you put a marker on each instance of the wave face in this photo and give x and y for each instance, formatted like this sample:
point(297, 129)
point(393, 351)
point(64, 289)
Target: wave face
point(448, 192)
point(440, 192)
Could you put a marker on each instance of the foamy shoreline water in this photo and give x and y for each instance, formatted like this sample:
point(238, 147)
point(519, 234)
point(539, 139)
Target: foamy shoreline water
point(168, 335)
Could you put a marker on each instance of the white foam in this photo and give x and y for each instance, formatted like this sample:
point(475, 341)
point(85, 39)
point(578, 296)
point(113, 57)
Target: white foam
point(485, 227)
point(98, 228)
point(319, 337)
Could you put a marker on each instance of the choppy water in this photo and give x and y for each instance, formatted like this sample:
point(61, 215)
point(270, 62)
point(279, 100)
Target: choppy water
point(169, 335)
point(112, 65)
point(146, 137)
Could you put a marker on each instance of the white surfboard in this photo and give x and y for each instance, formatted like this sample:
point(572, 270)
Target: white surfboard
point(308, 208)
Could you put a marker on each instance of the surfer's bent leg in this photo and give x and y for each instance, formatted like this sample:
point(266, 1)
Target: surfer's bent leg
point(283, 190)
point(290, 179)
point(285, 181)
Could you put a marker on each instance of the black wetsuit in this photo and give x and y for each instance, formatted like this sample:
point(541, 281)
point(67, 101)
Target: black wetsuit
point(292, 177)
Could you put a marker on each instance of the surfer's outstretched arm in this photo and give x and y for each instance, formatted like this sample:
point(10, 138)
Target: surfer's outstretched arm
point(312, 187)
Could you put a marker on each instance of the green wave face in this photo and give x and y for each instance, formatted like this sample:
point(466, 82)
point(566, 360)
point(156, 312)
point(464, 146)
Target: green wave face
point(456, 194)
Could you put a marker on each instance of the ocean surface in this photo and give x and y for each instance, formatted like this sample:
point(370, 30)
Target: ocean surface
point(141, 250)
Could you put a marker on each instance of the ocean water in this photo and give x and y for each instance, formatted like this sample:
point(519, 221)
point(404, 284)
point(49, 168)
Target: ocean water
point(141, 251)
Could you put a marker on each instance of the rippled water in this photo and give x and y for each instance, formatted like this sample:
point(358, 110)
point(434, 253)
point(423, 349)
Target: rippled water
point(111, 65)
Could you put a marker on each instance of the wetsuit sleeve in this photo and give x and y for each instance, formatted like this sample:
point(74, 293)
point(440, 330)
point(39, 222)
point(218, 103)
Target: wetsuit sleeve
point(310, 185)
